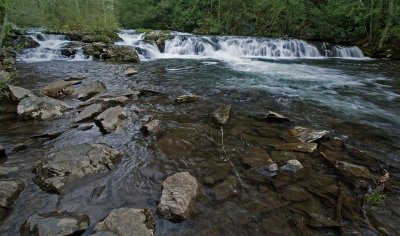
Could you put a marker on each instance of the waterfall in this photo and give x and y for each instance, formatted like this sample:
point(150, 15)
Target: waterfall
point(50, 48)
point(231, 47)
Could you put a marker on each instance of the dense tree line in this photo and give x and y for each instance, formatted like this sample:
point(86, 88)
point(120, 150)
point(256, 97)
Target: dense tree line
point(361, 21)
point(333, 20)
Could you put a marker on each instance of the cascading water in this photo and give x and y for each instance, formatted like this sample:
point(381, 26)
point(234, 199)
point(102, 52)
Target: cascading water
point(230, 47)
point(50, 48)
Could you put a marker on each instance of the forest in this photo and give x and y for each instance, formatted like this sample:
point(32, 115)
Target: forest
point(356, 21)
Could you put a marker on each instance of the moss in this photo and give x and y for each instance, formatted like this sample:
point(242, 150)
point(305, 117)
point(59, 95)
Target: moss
point(375, 198)
point(143, 31)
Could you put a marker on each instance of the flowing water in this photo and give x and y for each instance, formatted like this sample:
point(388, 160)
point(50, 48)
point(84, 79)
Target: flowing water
point(315, 84)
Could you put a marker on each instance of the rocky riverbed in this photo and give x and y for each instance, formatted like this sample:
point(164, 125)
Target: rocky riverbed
point(100, 148)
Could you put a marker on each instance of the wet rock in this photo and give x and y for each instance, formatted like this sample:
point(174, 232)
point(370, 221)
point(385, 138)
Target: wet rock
point(130, 71)
point(127, 222)
point(41, 108)
point(50, 135)
point(306, 135)
point(292, 166)
point(87, 91)
point(85, 127)
point(295, 194)
point(89, 112)
point(227, 188)
point(6, 170)
point(18, 93)
point(58, 89)
point(71, 48)
point(9, 192)
point(189, 98)
point(297, 147)
point(122, 54)
point(148, 93)
point(276, 117)
point(111, 118)
point(262, 173)
point(20, 147)
point(177, 195)
point(151, 127)
point(359, 175)
point(257, 156)
point(72, 163)
point(215, 176)
point(55, 223)
point(2, 151)
point(108, 99)
point(76, 77)
point(20, 42)
point(221, 115)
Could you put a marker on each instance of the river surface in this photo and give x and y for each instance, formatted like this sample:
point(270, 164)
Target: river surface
point(354, 98)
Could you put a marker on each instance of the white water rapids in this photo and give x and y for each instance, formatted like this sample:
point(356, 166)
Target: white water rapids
point(232, 48)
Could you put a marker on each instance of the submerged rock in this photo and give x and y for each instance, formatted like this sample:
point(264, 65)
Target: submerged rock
point(127, 222)
point(221, 115)
point(130, 71)
point(151, 127)
point(41, 108)
point(2, 151)
point(257, 156)
point(72, 163)
point(18, 93)
point(226, 189)
point(55, 223)
point(297, 147)
point(6, 170)
point(177, 195)
point(262, 173)
point(76, 77)
point(189, 98)
point(306, 135)
point(89, 112)
point(58, 89)
point(111, 99)
point(276, 117)
point(87, 91)
point(9, 192)
point(292, 166)
point(358, 175)
point(111, 118)
point(295, 194)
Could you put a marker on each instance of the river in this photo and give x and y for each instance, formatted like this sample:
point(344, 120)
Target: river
point(316, 85)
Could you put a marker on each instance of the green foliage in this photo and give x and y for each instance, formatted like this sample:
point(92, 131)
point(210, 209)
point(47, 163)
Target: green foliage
point(375, 198)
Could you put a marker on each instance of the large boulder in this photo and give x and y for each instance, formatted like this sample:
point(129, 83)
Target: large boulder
point(72, 163)
point(55, 223)
point(58, 89)
point(9, 192)
point(177, 195)
point(87, 91)
point(20, 42)
point(127, 222)
point(18, 93)
point(41, 108)
point(72, 48)
point(122, 54)
point(111, 118)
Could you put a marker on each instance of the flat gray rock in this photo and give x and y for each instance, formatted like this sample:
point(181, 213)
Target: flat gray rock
point(130, 71)
point(292, 166)
point(9, 192)
point(151, 127)
point(306, 135)
point(87, 91)
point(41, 108)
point(177, 195)
point(18, 93)
point(127, 222)
point(58, 89)
point(72, 163)
point(111, 118)
point(89, 112)
point(55, 223)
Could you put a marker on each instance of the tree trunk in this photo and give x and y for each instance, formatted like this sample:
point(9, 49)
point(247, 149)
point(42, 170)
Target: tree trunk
point(388, 23)
point(3, 26)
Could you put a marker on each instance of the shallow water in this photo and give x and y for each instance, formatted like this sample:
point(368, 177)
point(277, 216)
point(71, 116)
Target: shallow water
point(355, 100)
